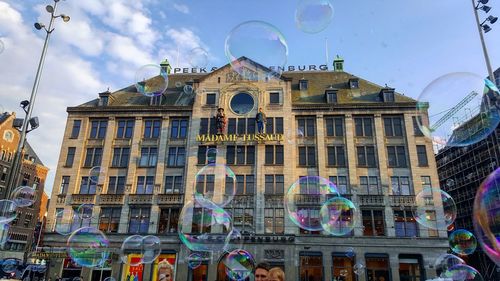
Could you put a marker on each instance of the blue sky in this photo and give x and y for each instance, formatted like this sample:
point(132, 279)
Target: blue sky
point(406, 44)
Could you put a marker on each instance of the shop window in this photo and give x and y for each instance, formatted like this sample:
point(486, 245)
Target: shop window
point(377, 267)
point(311, 266)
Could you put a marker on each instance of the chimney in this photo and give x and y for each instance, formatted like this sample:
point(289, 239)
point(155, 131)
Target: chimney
point(165, 66)
point(338, 64)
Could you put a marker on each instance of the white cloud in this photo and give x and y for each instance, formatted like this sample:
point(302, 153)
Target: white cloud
point(181, 8)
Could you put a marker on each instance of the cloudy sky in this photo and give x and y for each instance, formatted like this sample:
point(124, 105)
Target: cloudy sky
point(406, 44)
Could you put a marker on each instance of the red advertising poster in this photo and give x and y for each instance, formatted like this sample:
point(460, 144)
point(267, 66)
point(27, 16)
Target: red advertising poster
point(133, 272)
point(164, 268)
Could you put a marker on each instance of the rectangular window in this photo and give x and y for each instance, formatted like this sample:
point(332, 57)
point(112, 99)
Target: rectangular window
point(307, 156)
point(149, 157)
point(82, 219)
point(422, 156)
point(173, 184)
point(109, 220)
point(98, 129)
point(176, 156)
point(202, 154)
point(401, 186)
point(377, 268)
point(336, 156)
point(204, 126)
point(274, 220)
point(388, 96)
point(116, 185)
point(303, 85)
point(373, 222)
point(125, 128)
point(145, 185)
point(274, 155)
point(274, 184)
point(178, 128)
point(152, 128)
point(331, 97)
point(274, 98)
point(241, 155)
point(169, 220)
point(363, 126)
point(405, 224)
point(121, 156)
point(416, 128)
point(343, 267)
point(311, 266)
point(211, 98)
point(87, 186)
point(334, 126)
point(245, 184)
point(93, 157)
point(307, 125)
point(139, 220)
point(366, 156)
point(75, 131)
point(393, 126)
point(341, 183)
point(70, 157)
point(274, 125)
point(370, 185)
point(64, 185)
point(431, 217)
point(205, 183)
point(396, 156)
point(426, 182)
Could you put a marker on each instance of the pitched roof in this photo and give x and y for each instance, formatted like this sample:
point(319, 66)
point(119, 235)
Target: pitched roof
point(28, 150)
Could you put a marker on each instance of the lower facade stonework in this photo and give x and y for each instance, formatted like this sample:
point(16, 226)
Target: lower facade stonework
point(405, 259)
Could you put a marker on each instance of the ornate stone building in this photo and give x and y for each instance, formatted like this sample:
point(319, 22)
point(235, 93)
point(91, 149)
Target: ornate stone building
point(332, 124)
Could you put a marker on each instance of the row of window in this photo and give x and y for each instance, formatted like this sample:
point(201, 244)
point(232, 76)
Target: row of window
point(364, 127)
point(245, 184)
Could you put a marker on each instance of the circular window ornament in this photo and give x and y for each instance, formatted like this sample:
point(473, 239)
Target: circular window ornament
point(242, 103)
point(8, 135)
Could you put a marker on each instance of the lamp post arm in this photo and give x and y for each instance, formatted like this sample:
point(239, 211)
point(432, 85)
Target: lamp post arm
point(483, 44)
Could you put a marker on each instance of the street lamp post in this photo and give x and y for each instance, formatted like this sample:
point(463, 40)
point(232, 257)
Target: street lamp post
point(482, 26)
point(29, 105)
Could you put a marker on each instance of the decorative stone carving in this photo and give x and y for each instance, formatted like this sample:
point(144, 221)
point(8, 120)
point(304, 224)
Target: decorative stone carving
point(274, 254)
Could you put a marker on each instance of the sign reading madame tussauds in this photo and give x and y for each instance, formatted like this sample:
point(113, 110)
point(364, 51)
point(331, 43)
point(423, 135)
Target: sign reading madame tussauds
point(246, 138)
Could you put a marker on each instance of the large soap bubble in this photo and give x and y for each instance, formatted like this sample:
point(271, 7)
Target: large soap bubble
point(468, 117)
point(426, 211)
point(24, 196)
point(462, 242)
point(338, 216)
point(462, 272)
point(446, 261)
point(204, 227)
point(88, 247)
point(485, 216)
point(260, 42)
point(7, 211)
point(151, 80)
point(313, 16)
point(215, 183)
point(305, 198)
point(239, 264)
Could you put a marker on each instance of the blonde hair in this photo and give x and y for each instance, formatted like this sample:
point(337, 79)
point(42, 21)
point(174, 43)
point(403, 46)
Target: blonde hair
point(278, 273)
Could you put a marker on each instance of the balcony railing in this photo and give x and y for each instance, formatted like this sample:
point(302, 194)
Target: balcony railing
point(140, 199)
point(170, 198)
point(241, 201)
point(61, 199)
point(78, 199)
point(371, 200)
point(273, 200)
point(111, 199)
point(402, 200)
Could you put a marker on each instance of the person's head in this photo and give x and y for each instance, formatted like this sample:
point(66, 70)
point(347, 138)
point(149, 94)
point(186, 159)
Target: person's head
point(276, 274)
point(260, 109)
point(220, 109)
point(262, 271)
point(165, 270)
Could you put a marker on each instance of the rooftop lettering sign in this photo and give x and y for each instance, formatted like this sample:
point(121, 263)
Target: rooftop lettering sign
point(260, 138)
point(290, 68)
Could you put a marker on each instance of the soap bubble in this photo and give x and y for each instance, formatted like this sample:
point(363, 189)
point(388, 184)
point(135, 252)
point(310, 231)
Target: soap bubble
point(178, 84)
point(446, 261)
point(462, 272)
point(109, 279)
point(485, 216)
point(260, 42)
point(198, 57)
point(151, 80)
point(204, 226)
point(97, 173)
point(239, 264)
point(84, 211)
point(338, 216)
point(10, 265)
point(462, 242)
point(216, 183)
point(425, 207)
point(88, 247)
point(194, 260)
point(211, 155)
point(465, 119)
point(7, 211)
point(132, 246)
point(359, 268)
point(235, 241)
point(313, 191)
point(450, 182)
point(151, 248)
point(313, 16)
point(350, 252)
point(64, 222)
point(24, 196)
point(4, 234)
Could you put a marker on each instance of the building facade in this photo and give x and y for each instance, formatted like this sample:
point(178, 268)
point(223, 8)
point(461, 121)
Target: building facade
point(331, 124)
point(32, 173)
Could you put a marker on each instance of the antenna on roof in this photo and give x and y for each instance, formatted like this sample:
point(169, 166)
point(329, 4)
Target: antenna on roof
point(326, 50)
point(177, 62)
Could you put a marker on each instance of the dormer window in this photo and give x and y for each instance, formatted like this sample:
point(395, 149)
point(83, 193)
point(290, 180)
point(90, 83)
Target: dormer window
point(387, 95)
point(354, 83)
point(104, 98)
point(331, 96)
point(104, 101)
point(303, 85)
